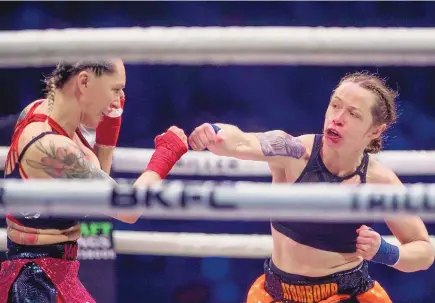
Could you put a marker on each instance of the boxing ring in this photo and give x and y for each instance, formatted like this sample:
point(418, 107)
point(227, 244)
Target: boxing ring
point(209, 200)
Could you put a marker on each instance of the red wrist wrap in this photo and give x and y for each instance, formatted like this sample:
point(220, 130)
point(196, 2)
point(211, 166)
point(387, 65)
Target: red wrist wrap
point(169, 149)
point(107, 132)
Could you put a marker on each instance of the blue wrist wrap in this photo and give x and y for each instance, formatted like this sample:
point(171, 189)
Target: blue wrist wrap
point(387, 254)
point(215, 127)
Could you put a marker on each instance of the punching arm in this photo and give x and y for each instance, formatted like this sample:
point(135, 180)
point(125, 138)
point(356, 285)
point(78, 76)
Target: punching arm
point(229, 140)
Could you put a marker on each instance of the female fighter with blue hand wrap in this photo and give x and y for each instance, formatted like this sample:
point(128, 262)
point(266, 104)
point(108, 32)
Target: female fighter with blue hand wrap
point(327, 262)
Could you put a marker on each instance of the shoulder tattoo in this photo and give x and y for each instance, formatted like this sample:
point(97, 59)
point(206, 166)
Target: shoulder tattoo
point(65, 161)
point(279, 143)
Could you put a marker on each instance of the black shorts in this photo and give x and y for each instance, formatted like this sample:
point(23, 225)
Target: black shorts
point(287, 287)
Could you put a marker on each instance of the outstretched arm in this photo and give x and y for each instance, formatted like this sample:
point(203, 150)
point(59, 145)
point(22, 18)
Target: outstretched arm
point(230, 141)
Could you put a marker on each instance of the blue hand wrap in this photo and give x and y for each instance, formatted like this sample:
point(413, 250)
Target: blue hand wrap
point(215, 127)
point(387, 254)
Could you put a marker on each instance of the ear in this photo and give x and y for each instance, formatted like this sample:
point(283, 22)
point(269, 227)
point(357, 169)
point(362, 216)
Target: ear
point(377, 131)
point(82, 81)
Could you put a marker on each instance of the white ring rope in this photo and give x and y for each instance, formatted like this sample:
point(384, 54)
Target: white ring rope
point(207, 164)
point(222, 45)
point(192, 244)
point(208, 200)
point(134, 160)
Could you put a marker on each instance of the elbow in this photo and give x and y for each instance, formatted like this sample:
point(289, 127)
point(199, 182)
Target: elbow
point(427, 263)
point(128, 219)
point(430, 257)
point(422, 262)
point(131, 221)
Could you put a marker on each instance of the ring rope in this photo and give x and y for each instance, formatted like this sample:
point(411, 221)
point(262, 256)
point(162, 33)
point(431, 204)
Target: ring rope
point(192, 244)
point(222, 45)
point(132, 160)
point(209, 200)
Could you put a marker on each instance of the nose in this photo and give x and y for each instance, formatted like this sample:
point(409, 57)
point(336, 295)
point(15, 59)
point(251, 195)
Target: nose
point(120, 101)
point(117, 103)
point(339, 119)
point(337, 122)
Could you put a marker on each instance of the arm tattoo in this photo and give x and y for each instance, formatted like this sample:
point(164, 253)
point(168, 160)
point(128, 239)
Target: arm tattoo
point(65, 162)
point(22, 115)
point(278, 143)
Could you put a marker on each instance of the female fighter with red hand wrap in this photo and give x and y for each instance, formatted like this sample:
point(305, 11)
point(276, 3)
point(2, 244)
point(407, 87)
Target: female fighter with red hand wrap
point(47, 143)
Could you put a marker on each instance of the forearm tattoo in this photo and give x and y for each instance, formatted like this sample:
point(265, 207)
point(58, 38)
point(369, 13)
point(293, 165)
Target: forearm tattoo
point(278, 143)
point(65, 162)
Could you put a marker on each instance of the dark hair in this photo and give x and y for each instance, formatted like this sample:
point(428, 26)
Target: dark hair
point(384, 110)
point(64, 71)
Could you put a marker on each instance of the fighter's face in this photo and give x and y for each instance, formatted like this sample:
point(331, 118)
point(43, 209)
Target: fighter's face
point(101, 94)
point(349, 119)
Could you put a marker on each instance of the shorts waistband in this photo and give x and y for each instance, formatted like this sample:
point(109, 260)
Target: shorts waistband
point(296, 288)
point(361, 270)
point(66, 251)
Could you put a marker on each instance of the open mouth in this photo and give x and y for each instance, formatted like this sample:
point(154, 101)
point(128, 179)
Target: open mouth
point(333, 133)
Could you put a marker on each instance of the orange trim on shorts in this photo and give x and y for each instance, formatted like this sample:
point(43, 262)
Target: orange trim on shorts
point(335, 299)
point(257, 294)
point(374, 295)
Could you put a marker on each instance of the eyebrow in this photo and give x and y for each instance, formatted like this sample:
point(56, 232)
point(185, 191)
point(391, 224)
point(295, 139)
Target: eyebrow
point(337, 97)
point(350, 106)
point(355, 108)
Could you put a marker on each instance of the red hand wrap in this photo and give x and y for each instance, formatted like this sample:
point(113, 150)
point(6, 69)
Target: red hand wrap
point(108, 129)
point(169, 149)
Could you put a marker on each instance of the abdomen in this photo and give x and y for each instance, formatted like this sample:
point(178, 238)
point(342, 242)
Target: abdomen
point(336, 237)
point(296, 258)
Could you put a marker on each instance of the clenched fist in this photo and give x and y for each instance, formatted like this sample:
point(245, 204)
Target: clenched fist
point(170, 147)
point(203, 137)
point(367, 242)
point(180, 134)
